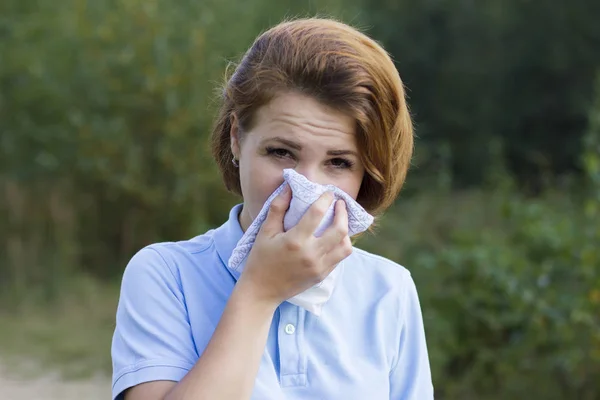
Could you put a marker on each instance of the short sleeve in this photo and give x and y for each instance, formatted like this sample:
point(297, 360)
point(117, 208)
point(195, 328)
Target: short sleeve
point(152, 339)
point(410, 378)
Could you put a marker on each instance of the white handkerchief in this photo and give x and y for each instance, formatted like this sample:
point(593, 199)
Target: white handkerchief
point(304, 193)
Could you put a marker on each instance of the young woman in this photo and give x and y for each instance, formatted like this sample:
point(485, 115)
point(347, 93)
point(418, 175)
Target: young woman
point(318, 97)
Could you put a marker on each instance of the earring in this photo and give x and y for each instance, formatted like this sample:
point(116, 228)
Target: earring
point(235, 162)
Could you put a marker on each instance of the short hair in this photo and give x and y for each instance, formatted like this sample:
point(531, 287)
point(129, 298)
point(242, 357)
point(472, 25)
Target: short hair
point(341, 67)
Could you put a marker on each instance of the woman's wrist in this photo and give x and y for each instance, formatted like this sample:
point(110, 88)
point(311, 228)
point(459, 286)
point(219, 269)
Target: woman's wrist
point(250, 295)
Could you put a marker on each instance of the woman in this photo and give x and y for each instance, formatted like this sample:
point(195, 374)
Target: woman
point(316, 96)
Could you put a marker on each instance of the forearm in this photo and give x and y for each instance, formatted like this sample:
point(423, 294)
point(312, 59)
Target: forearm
point(227, 369)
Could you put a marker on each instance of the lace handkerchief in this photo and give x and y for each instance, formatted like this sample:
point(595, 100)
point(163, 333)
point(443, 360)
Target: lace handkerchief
point(304, 193)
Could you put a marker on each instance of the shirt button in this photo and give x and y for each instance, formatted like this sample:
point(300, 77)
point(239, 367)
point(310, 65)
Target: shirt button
point(290, 329)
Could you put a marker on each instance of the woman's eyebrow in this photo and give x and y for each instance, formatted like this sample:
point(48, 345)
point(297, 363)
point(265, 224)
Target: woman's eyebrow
point(297, 146)
point(287, 142)
point(342, 153)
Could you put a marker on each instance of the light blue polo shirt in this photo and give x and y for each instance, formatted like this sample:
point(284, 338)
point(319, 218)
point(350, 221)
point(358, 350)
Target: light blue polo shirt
point(369, 342)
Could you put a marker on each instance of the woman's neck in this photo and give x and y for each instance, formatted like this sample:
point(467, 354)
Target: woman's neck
point(244, 219)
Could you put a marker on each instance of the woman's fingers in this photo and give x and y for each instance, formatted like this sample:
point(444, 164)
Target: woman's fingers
point(310, 221)
point(274, 222)
point(338, 254)
point(335, 243)
point(338, 229)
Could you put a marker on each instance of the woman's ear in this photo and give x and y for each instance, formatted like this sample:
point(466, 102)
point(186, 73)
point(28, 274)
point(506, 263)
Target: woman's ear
point(234, 136)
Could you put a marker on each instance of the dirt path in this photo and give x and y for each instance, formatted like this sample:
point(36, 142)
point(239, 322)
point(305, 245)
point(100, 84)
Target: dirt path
point(50, 387)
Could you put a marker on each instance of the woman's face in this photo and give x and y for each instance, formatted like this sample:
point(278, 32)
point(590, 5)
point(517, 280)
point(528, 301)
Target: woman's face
point(295, 131)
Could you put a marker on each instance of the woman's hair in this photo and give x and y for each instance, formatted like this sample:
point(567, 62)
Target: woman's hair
point(344, 69)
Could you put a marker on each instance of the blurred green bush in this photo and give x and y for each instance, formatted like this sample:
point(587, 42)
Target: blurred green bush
point(509, 285)
point(519, 71)
point(105, 112)
point(511, 299)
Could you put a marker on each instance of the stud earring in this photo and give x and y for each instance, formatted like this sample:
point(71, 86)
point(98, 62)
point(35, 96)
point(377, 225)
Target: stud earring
point(235, 162)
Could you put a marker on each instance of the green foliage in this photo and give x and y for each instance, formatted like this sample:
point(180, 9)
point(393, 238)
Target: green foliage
point(105, 112)
point(519, 71)
point(510, 292)
point(509, 285)
point(591, 156)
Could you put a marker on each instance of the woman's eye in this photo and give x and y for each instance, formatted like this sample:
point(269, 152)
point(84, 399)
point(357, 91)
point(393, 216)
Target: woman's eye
point(341, 163)
point(278, 152)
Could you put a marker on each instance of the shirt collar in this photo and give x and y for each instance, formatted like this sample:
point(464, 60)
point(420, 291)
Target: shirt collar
point(227, 236)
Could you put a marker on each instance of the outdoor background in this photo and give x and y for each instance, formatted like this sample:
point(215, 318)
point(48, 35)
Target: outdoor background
point(105, 111)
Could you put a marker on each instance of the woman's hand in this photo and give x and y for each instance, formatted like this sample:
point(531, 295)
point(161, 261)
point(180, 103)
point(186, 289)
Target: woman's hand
point(283, 264)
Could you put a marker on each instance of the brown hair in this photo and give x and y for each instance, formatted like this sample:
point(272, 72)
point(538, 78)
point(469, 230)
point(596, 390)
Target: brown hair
point(344, 69)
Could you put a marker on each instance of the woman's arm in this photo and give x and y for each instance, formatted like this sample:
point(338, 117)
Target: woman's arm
point(227, 368)
point(410, 378)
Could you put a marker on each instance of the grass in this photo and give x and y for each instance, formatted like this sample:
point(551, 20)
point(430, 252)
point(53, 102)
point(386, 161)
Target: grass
point(72, 336)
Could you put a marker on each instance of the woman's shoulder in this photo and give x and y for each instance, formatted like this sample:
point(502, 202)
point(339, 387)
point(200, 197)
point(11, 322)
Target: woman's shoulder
point(375, 274)
point(377, 263)
point(196, 245)
point(169, 256)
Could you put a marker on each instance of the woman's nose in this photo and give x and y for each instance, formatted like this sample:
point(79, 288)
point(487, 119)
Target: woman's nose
point(310, 172)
